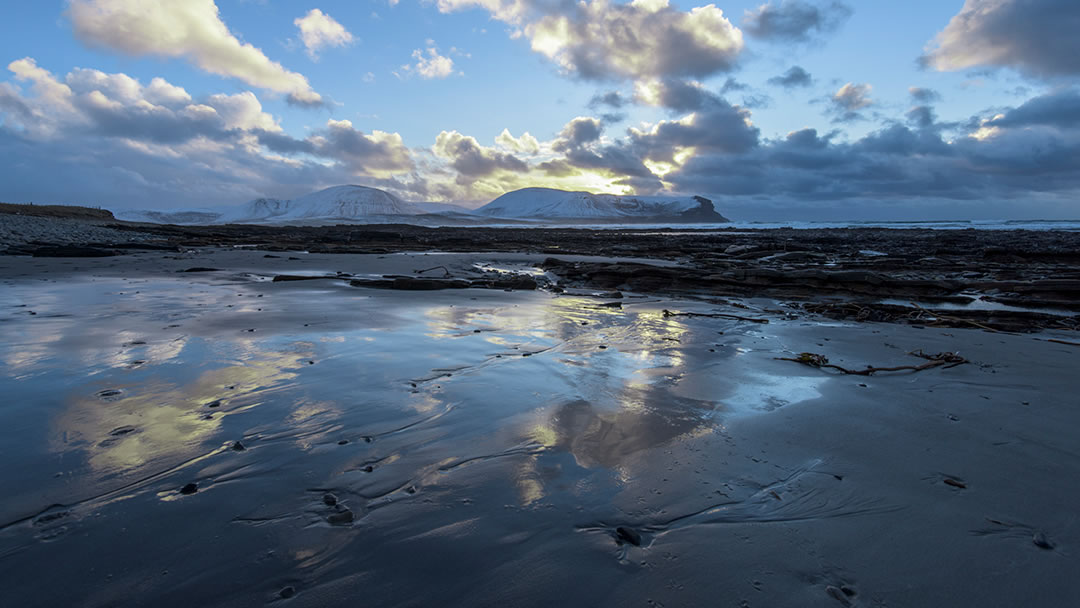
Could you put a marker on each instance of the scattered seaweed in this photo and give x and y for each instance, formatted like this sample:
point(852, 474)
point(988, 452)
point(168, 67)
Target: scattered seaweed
point(946, 359)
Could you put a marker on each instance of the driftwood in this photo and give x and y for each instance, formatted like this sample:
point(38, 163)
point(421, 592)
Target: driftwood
point(444, 269)
point(713, 315)
point(946, 359)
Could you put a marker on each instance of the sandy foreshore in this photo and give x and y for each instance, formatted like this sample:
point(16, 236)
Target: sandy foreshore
point(398, 425)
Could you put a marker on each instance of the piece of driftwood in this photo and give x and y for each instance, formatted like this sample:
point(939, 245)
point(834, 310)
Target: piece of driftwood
point(713, 315)
point(946, 359)
point(444, 269)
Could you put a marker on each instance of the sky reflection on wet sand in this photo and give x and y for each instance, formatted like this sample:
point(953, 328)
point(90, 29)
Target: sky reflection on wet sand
point(421, 416)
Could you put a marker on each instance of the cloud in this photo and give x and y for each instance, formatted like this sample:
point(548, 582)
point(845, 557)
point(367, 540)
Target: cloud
point(431, 66)
point(677, 95)
point(192, 30)
point(1036, 37)
point(526, 144)
point(1058, 109)
point(112, 120)
point(470, 159)
point(848, 100)
point(794, 20)
point(319, 30)
point(923, 95)
point(600, 40)
point(794, 77)
point(611, 99)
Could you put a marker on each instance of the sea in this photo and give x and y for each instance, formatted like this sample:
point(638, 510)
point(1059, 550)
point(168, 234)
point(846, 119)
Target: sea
point(1066, 225)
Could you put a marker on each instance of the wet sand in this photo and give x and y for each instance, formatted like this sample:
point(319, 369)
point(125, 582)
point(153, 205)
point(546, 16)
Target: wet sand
point(217, 438)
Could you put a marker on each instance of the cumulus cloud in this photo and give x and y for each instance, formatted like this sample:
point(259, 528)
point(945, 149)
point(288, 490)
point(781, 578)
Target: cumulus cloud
point(794, 20)
point(431, 65)
point(848, 100)
point(793, 78)
point(192, 30)
point(470, 159)
point(319, 30)
point(114, 119)
point(526, 144)
point(600, 40)
point(1035, 37)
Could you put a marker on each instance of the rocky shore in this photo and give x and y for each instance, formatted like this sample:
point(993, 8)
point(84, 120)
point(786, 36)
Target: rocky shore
point(1002, 280)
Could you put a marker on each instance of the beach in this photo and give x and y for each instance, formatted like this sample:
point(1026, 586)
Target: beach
point(406, 416)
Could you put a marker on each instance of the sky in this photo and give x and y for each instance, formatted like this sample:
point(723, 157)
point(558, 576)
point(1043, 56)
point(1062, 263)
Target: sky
point(785, 109)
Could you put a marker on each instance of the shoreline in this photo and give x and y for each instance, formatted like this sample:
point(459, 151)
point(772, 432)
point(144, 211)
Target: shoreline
point(314, 440)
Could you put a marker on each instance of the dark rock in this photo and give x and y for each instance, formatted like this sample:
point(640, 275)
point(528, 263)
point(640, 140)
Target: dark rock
point(286, 593)
point(1041, 541)
point(189, 489)
point(341, 518)
point(199, 269)
point(238, 447)
point(214, 403)
point(329, 499)
point(627, 535)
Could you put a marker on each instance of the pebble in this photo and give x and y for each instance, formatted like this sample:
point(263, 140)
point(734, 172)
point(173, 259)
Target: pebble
point(189, 489)
point(286, 593)
point(1040, 540)
point(238, 447)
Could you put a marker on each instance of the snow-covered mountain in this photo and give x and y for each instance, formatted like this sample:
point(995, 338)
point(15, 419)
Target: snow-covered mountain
point(550, 204)
point(442, 208)
point(345, 203)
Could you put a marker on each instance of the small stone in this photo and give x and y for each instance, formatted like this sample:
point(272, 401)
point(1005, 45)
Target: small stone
point(214, 403)
point(329, 499)
point(1040, 540)
point(838, 595)
point(238, 447)
point(343, 442)
point(602, 346)
point(286, 593)
point(368, 469)
point(189, 489)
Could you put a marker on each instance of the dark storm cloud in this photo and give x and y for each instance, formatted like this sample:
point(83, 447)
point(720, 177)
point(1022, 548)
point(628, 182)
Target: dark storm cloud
point(794, 77)
point(1058, 109)
point(471, 160)
point(577, 133)
point(896, 162)
point(794, 20)
point(716, 126)
point(1037, 37)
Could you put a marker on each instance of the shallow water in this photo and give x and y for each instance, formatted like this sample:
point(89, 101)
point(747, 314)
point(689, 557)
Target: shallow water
point(466, 447)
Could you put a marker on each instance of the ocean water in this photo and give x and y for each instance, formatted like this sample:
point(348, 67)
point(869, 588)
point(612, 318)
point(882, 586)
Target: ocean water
point(1067, 225)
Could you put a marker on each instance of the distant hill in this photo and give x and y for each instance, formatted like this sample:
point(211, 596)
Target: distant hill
point(69, 211)
point(561, 205)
